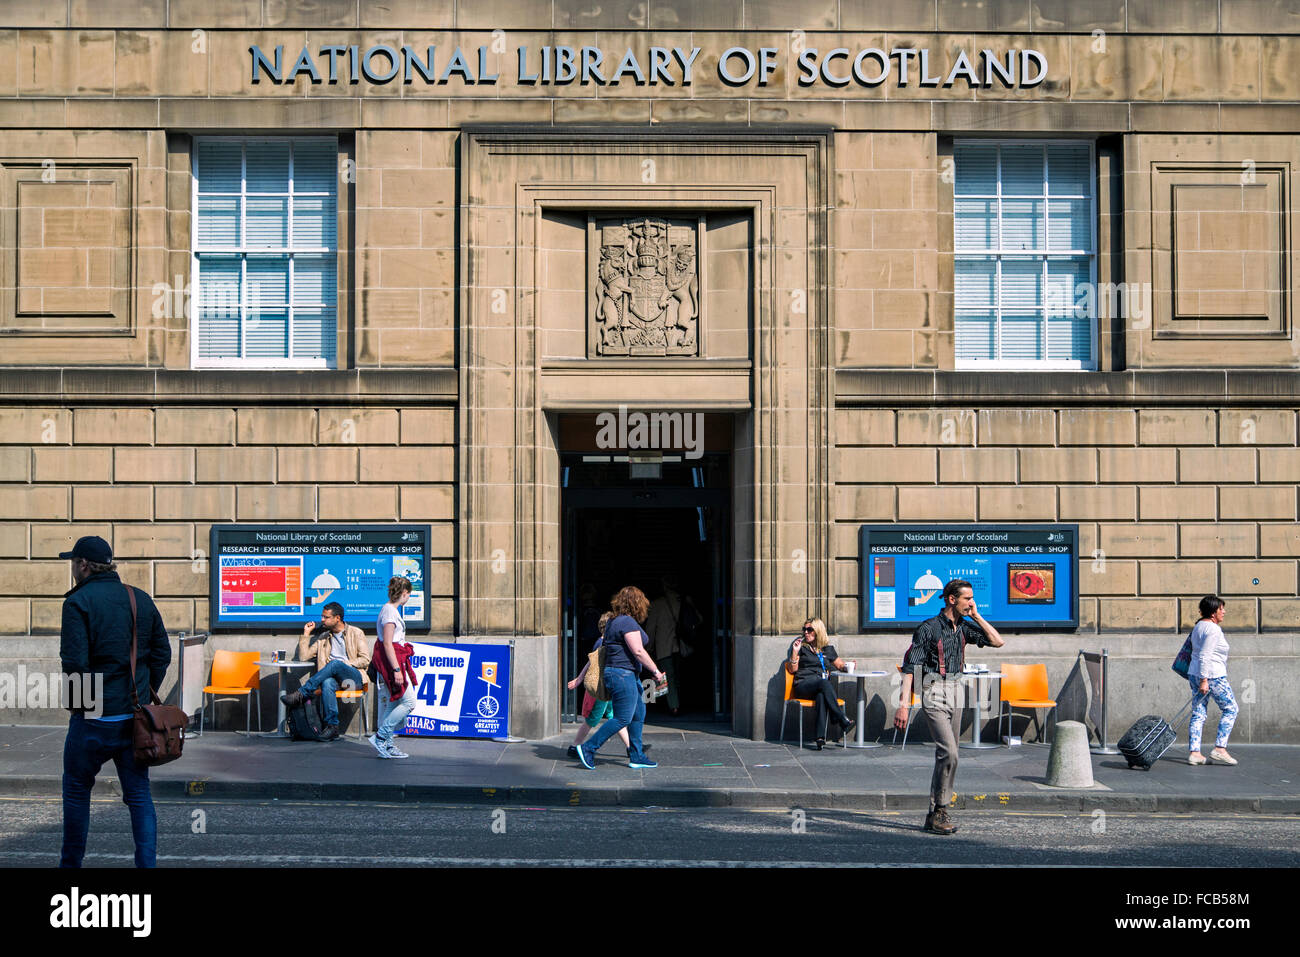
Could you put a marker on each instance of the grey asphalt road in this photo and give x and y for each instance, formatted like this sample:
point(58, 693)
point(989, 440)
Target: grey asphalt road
point(271, 834)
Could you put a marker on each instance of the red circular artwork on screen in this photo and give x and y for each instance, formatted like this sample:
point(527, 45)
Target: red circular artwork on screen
point(1028, 583)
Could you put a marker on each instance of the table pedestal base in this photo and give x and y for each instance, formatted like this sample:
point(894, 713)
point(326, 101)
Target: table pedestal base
point(860, 741)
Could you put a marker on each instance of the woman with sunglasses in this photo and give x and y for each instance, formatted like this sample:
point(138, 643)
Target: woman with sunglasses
point(811, 659)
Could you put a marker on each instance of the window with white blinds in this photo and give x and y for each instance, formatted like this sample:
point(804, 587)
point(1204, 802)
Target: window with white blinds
point(1025, 247)
point(265, 252)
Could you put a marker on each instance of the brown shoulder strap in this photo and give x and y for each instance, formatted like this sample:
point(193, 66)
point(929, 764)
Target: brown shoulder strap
point(135, 627)
point(130, 594)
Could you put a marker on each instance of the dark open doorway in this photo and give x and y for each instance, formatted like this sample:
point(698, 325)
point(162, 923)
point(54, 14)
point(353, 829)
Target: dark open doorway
point(641, 522)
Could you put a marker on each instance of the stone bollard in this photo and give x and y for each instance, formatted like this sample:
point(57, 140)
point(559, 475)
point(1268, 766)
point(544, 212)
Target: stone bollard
point(1070, 763)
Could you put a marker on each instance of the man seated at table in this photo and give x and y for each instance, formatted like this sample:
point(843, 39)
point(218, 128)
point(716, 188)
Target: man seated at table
point(342, 655)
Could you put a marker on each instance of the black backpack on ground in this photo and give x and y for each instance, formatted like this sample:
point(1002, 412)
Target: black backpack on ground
point(304, 721)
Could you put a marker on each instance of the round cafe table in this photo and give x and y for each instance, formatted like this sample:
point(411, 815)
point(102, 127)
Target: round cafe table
point(861, 678)
point(281, 667)
point(978, 726)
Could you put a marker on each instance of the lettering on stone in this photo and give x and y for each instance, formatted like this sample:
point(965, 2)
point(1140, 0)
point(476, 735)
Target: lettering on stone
point(645, 287)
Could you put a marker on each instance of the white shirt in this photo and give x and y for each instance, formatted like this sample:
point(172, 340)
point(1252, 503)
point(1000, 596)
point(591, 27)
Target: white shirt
point(390, 613)
point(1209, 651)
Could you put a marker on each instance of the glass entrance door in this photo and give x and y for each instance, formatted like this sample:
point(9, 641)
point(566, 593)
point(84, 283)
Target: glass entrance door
point(663, 527)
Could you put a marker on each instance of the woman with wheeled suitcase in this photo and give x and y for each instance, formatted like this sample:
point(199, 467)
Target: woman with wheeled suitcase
point(1208, 676)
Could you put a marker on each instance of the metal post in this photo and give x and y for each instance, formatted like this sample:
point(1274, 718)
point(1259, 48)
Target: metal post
point(180, 683)
point(510, 738)
point(1105, 695)
point(181, 640)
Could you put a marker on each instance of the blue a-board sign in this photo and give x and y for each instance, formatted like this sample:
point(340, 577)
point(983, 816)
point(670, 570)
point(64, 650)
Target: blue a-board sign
point(1023, 576)
point(462, 691)
point(279, 576)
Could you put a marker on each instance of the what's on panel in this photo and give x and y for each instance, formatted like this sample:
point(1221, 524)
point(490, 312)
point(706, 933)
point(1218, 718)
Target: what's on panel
point(266, 577)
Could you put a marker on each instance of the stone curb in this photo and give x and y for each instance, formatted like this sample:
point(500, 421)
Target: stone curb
point(542, 796)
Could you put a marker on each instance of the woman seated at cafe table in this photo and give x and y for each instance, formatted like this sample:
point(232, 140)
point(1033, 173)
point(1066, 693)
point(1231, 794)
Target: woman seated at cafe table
point(810, 660)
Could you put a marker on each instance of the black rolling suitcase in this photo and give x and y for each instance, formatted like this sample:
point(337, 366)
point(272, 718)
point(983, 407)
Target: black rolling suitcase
point(1148, 739)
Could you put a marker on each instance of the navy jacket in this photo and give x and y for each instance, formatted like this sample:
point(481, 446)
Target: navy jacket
point(96, 639)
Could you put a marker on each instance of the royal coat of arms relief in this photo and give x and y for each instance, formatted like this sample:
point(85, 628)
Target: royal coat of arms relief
point(646, 288)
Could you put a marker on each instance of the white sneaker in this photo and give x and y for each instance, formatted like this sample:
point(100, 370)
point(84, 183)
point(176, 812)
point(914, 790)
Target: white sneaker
point(379, 746)
point(395, 752)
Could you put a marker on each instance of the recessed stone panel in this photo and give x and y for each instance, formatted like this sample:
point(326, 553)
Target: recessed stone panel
point(1219, 245)
point(66, 261)
point(1224, 236)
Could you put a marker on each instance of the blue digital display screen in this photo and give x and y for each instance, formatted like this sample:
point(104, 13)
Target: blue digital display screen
point(1022, 576)
point(279, 576)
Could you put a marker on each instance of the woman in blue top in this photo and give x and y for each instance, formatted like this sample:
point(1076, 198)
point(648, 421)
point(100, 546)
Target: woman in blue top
point(624, 655)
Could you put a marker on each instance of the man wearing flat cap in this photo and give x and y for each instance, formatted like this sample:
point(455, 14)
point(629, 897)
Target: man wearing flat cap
point(96, 640)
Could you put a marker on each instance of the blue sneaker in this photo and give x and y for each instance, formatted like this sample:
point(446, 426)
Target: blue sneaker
point(587, 762)
point(640, 761)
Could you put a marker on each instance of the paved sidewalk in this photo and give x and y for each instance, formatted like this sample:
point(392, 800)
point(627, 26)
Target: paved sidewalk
point(696, 769)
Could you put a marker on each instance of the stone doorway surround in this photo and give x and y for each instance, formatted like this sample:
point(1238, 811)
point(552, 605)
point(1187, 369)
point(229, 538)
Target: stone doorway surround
point(524, 295)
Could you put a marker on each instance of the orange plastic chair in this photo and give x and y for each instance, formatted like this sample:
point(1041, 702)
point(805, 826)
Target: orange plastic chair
point(911, 710)
point(354, 695)
point(235, 674)
point(1024, 686)
point(803, 703)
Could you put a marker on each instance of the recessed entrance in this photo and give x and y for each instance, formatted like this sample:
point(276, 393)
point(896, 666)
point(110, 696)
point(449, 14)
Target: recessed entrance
point(657, 520)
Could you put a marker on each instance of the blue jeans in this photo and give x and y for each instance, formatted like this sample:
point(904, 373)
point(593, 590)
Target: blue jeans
point(629, 711)
point(87, 747)
point(1221, 692)
point(329, 679)
point(392, 714)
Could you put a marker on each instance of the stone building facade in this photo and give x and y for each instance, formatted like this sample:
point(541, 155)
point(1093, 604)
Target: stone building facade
point(792, 246)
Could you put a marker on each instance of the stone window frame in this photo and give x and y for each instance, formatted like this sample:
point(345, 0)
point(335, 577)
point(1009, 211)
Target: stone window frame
point(1095, 258)
point(341, 200)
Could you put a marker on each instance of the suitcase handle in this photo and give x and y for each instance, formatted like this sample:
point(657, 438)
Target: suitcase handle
point(1191, 701)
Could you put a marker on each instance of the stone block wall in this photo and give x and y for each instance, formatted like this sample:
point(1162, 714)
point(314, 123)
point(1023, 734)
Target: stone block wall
point(406, 261)
point(885, 241)
point(1172, 503)
point(153, 480)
